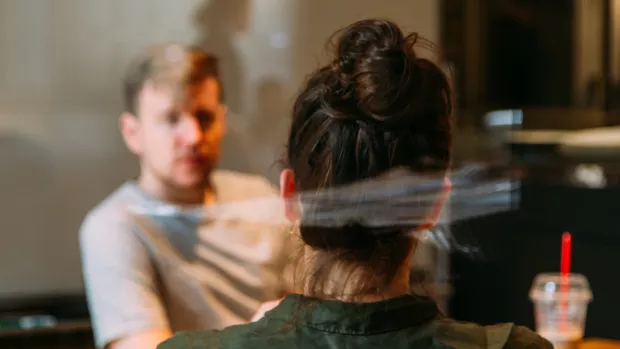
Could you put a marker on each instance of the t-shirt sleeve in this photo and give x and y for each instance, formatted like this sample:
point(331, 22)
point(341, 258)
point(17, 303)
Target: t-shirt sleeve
point(120, 279)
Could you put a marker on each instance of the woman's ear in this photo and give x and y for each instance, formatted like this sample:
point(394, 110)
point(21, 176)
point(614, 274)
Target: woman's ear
point(442, 198)
point(288, 193)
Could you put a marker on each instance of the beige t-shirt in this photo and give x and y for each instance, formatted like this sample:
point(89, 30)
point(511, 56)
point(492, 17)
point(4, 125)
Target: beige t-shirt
point(146, 270)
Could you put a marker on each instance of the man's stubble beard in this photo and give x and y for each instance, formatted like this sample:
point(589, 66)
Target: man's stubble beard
point(177, 191)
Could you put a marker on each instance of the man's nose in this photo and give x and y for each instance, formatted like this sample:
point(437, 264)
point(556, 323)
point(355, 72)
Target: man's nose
point(191, 131)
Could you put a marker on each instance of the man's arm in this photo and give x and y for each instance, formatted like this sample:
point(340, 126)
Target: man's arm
point(147, 339)
point(264, 308)
point(125, 306)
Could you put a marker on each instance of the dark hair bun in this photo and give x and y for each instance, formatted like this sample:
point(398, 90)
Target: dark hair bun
point(382, 81)
point(376, 107)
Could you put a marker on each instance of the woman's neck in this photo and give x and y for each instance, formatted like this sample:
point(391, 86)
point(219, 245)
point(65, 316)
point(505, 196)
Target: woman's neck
point(398, 287)
point(342, 283)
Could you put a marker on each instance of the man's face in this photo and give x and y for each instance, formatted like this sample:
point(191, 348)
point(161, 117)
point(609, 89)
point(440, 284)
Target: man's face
point(178, 139)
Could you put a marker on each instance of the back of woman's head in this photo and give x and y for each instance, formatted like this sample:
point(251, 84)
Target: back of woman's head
point(377, 106)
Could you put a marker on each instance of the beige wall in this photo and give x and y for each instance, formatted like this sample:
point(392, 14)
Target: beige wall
point(61, 61)
point(317, 19)
point(588, 32)
point(615, 38)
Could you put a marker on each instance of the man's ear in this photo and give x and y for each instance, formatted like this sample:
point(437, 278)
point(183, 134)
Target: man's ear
point(288, 192)
point(223, 115)
point(130, 129)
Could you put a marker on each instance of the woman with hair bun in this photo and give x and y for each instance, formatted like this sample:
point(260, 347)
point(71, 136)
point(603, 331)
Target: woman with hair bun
point(377, 106)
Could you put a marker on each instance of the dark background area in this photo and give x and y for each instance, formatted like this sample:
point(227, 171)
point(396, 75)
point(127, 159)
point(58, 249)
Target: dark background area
point(519, 54)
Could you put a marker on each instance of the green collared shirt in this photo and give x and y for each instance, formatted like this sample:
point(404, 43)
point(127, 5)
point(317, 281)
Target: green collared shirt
point(397, 323)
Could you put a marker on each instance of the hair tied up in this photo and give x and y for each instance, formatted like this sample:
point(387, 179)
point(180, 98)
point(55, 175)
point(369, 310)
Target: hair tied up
point(343, 64)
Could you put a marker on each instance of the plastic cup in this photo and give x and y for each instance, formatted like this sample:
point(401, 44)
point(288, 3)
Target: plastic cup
point(560, 305)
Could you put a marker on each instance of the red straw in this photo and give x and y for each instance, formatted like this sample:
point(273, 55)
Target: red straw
point(564, 275)
point(566, 250)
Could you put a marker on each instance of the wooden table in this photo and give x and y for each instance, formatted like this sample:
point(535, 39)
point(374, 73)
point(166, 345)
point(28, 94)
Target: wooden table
point(595, 343)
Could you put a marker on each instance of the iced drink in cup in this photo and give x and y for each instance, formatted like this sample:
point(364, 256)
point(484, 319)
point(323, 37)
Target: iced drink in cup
point(560, 306)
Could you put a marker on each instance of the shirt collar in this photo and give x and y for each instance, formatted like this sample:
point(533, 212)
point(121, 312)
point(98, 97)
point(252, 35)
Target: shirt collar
point(356, 318)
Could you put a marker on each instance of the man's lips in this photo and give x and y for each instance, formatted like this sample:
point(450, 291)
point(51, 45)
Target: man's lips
point(193, 160)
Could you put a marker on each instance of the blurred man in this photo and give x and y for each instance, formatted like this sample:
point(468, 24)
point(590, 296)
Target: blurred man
point(149, 271)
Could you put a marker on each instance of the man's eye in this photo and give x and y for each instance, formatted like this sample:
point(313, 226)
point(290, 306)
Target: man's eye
point(205, 117)
point(173, 118)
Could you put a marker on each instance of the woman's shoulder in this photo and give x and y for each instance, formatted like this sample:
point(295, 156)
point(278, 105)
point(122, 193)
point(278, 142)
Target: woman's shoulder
point(523, 337)
point(233, 337)
point(447, 332)
point(468, 335)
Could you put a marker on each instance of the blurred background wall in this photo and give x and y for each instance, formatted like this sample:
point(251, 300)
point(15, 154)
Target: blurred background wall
point(61, 63)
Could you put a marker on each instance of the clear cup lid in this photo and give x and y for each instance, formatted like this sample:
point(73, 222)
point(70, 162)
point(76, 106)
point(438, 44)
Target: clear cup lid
point(554, 286)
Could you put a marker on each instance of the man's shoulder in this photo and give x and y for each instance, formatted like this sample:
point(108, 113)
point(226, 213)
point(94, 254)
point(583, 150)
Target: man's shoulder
point(242, 186)
point(500, 336)
point(112, 211)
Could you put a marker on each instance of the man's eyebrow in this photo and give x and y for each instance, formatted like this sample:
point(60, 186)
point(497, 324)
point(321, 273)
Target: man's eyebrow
point(167, 110)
